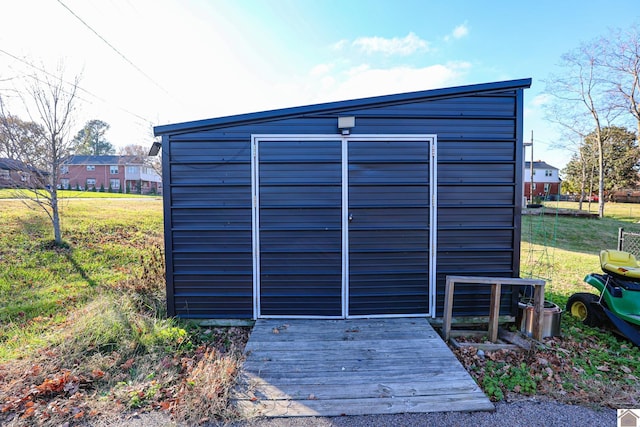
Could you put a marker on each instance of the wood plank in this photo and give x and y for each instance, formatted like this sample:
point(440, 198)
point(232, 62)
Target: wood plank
point(358, 366)
point(387, 354)
point(266, 390)
point(310, 345)
point(494, 311)
point(348, 334)
point(338, 407)
point(344, 369)
point(319, 378)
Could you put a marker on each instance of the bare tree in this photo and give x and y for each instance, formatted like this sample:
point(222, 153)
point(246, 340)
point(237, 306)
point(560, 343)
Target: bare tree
point(621, 60)
point(141, 153)
point(50, 103)
point(582, 101)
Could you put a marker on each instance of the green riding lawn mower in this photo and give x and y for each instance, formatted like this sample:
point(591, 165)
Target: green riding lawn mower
point(618, 304)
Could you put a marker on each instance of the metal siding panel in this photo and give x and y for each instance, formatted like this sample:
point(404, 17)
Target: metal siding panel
point(478, 106)
point(211, 219)
point(211, 174)
point(470, 195)
point(166, 209)
point(388, 201)
point(220, 196)
point(210, 228)
point(476, 173)
point(518, 193)
point(461, 150)
point(296, 276)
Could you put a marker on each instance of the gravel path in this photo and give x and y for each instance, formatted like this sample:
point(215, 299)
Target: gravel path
point(524, 413)
point(515, 414)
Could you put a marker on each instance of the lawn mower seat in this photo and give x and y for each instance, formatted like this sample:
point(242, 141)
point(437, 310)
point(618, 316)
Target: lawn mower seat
point(620, 264)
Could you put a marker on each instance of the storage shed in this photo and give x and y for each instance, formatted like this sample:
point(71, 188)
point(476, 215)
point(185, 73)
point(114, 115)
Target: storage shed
point(357, 208)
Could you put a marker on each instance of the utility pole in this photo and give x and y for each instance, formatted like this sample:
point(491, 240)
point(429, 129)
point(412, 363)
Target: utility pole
point(530, 144)
point(531, 192)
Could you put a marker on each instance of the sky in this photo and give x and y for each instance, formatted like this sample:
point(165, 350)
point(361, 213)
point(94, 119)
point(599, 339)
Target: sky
point(153, 62)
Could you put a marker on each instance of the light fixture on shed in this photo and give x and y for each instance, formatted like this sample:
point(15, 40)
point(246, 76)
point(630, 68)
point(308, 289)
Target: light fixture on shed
point(345, 124)
point(155, 148)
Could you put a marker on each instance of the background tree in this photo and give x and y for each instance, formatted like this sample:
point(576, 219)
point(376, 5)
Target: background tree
point(582, 99)
point(621, 62)
point(621, 156)
point(50, 103)
point(19, 139)
point(90, 140)
point(141, 153)
point(599, 87)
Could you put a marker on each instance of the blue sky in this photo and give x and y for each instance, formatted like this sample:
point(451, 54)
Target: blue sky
point(202, 59)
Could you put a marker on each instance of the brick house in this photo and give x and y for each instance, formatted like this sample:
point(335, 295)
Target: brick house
point(16, 174)
point(546, 181)
point(126, 174)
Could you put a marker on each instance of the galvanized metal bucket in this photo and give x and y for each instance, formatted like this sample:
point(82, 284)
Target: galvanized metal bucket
point(550, 323)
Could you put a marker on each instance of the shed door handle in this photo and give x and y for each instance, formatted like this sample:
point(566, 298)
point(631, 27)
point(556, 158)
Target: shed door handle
point(350, 217)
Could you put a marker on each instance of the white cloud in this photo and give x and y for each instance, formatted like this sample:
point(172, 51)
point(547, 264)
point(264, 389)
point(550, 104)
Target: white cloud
point(339, 45)
point(320, 70)
point(458, 32)
point(393, 46)
point(364, 80)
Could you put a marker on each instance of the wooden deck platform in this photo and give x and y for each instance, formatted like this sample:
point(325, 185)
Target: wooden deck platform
point(352, 367)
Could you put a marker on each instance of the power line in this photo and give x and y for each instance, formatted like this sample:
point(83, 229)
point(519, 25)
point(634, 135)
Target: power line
point(17, 58)
point(114, 49)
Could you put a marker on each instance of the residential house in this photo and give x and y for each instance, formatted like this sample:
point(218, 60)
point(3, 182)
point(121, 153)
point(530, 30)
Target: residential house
point(126, 174)
point(546, 181)
point(14, 173)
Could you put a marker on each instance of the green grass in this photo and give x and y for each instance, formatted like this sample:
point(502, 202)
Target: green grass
point(564, 249)
point(43, 282)
point(593, 365)
point(7, 193)
point(83, 327)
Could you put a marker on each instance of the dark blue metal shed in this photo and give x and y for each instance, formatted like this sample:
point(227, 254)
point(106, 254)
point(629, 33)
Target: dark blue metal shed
point(357, 208)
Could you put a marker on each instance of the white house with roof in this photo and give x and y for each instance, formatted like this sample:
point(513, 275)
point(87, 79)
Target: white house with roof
point(546, 179)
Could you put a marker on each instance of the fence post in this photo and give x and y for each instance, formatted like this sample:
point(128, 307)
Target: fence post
point(620, 237)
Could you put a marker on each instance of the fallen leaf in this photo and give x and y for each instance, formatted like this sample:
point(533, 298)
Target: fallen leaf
point(97, 373)
point(128, 364)
point(603, 368)
point(625, 369)
point(29, 412)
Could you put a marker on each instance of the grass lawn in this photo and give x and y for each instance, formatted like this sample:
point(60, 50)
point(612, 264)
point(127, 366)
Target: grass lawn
point(84, 334)
point(83, 329)
point(8, 193)
point(586, 365)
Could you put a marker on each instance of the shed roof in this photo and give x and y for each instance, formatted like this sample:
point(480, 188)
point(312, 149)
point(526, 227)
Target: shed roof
point(344, 105)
